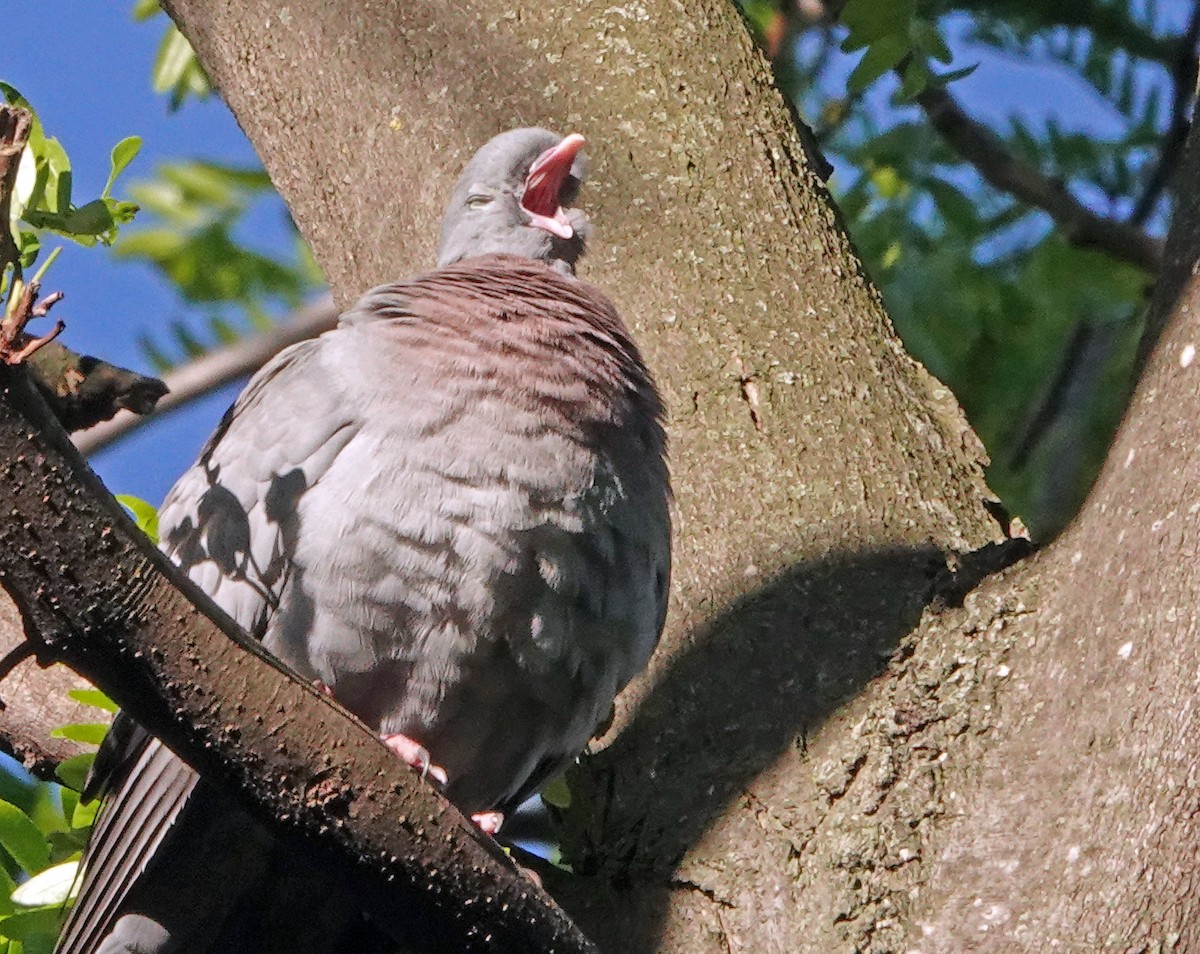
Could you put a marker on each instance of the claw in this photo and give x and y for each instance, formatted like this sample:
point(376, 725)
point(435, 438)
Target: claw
point(414, 754)
point(489, 822)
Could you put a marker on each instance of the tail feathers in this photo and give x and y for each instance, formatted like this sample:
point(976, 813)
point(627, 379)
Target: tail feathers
point(136, 819)
point(176, 866)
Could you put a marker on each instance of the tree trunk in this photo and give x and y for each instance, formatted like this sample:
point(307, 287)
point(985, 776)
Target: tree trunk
point(822, 478)
point(1020, 773)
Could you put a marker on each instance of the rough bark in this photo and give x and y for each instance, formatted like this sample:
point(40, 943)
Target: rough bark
point(1076, 826)
point(35, 701)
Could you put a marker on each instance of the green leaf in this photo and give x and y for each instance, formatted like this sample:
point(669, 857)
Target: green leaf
point(176, 70)
point(92, 733)
point(145, 9)
point(85, 225)
point(880, 57)
point(941, 79)
point(83, 815)
point(916, 78)
point(94, 697)
point(73, 772)
point(121, 213)
point(28, 246)
point(557, 793)
point(21, 838)
point(555, 857)
point(927, 38)
point(156, 245)
point(68, 798)
point(144, 515)
point(123, 153)
point(868, 20)
point(34, 927)
point(174, 56)
point(7, 887)
point(58, 182)
point(50, 887)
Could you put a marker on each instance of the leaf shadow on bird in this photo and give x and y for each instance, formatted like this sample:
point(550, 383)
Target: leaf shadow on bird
point(453, 513)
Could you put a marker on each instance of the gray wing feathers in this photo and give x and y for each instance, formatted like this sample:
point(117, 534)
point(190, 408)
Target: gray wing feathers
point(221, 524)
point(226, 522)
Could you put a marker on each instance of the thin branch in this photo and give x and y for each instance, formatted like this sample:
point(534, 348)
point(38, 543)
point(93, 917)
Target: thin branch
point(1082, 227)
point(17, 346)
point(204, 375)
point(1183, 77)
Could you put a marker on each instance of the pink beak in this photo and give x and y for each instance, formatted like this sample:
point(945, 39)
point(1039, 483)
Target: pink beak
point(543, 184)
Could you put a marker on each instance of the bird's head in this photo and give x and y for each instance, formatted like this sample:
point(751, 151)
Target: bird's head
point(514, 197)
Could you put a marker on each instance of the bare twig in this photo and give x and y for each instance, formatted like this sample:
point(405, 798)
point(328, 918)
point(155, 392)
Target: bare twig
point(34, 345)
point(1082, 227)
point(15, 345)
point(206, 374)
point(42, 308)
point(1183, 77)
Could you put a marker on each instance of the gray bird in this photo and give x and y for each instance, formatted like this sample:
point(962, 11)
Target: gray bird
point(452, 512)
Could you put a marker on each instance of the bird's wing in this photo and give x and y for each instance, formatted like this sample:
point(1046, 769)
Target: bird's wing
point(223, 523)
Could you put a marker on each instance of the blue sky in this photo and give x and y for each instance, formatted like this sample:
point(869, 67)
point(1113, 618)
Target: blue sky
point(91, 88)
point(85, 66)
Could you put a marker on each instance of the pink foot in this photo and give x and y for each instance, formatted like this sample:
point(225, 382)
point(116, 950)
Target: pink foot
point(489, 822)
point(414, 754)
point(322, 688)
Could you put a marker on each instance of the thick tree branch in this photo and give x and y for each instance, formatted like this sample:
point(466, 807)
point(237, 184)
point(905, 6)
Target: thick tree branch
point(204, 375)
point(985, 150)
point(101, 599)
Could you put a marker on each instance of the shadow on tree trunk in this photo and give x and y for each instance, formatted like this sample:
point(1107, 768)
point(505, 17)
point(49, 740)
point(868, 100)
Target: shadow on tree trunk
point(755, 683)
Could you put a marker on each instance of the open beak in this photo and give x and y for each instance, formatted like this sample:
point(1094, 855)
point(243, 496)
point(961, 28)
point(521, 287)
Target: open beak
point(544, 183)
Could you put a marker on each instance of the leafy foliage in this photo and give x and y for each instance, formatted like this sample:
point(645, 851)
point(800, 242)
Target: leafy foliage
point(177, 71)
point(42, 199)
point(43, 830)
point(198, 209)
point(896, 36)
point(1035, 337)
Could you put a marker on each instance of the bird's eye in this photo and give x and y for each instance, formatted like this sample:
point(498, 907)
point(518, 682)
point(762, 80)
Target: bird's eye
point(478, 201)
